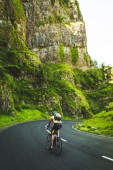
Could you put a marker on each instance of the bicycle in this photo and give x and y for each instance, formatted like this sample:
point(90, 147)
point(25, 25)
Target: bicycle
point(57, 145)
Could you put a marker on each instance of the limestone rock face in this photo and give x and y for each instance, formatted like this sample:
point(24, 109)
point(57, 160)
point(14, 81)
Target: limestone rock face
point(42, 43)
point(55, 27)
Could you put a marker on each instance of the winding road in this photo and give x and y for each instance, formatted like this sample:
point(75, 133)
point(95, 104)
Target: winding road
point(22, 147)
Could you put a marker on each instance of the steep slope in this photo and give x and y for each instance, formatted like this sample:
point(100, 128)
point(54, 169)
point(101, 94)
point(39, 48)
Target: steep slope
point(56, 31)
point(41, 44)
point(101, 123)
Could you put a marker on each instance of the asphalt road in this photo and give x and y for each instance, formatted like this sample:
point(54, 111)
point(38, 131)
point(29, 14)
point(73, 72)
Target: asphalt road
point(22, 147)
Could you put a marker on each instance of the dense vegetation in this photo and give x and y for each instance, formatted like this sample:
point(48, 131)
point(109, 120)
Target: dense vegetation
point(30, 89)
point(101, 123)
point(25, 81)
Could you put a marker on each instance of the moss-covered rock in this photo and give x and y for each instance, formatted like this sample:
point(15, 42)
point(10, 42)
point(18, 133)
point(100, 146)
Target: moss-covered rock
point(61, 78)
point(39, 53)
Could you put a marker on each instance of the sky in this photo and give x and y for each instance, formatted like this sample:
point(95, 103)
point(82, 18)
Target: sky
point(98, 18)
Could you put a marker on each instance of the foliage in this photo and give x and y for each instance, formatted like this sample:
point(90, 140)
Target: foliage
point(71, 99)
point(104, 95)
point(92, 83)
point(101, 123)
point(15, 10)
point(16, 67)
point(86, 58)
point(78, 10)
point(54, 72)
point(23, 116)
point(109, 106)
point(52, 2)
point(74, 55)
point(64, 2)
point(106, 72)
point(91, 78)
point(61, 52)
point(57, 18)
point(10, 35)
point(95, 63)
point(10, 38)
point(50, 20)
point(30, 87)
point(15, 61)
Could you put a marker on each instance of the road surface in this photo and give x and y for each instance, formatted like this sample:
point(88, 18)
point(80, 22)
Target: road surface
point(22, 147)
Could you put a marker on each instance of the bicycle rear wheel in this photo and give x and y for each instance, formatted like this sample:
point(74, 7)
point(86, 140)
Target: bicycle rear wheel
point(58, 146)
point(48, 141)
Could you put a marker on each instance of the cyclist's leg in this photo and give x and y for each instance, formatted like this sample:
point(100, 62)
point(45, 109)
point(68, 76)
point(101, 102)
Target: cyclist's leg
point(54, 131)
point(59, 125)
point(58, 142)
point(52, 136)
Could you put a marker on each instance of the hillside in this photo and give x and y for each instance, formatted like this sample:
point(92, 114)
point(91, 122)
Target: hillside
point(45, 65)
point(41, 44)
point(101, 123)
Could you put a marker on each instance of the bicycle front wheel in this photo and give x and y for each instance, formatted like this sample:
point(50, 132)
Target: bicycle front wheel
point(58, 146)
point(48, 141)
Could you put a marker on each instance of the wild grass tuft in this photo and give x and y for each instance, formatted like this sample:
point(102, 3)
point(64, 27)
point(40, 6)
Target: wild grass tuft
point(102, 123)
point(24, 116)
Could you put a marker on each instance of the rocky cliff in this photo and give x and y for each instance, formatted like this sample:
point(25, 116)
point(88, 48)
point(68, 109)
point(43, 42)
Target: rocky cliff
point(41, 45)
point(55, 27)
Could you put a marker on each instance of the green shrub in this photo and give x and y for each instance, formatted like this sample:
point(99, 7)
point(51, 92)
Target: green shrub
point(87, 58)
point(18, 10)
point(90, 78)
point(74, 55)
point(28, 106)
point(58, 18)
point(64, 2)
point(104, 95)
point(61, 52)
point(78, 10)
point(52, 2)
point(51, 19)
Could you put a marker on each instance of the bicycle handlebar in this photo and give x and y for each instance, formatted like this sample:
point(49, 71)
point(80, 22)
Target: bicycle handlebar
point(48, 126)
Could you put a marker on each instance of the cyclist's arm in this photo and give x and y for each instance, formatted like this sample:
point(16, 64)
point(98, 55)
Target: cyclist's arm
point(52, 117)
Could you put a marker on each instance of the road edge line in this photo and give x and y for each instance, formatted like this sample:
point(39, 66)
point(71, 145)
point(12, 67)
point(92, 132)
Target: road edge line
point(105, 157)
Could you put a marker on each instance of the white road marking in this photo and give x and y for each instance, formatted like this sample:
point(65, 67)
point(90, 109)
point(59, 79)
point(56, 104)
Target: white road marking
point(107, 158)
point(63, 140)
point(50, 132)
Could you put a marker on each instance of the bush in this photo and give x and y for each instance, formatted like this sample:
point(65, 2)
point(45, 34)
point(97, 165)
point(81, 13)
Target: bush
point(74, 55)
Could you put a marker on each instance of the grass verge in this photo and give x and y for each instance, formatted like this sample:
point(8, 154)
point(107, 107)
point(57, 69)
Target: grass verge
point(102, 123)
point(24, 116)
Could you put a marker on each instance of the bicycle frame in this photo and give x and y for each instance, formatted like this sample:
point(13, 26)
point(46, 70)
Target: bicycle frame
point(57, 143)
point(58, 132)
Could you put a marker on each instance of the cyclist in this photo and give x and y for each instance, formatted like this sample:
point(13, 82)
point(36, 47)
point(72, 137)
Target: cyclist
point(57, 124)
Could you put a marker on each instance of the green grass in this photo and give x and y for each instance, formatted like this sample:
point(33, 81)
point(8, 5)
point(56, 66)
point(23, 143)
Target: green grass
point(102, 123)
point(74, 55)
point(66, 117)
point(24, 116)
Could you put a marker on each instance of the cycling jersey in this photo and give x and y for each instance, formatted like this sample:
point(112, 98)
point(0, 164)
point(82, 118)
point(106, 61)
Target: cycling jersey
point(57, 125)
